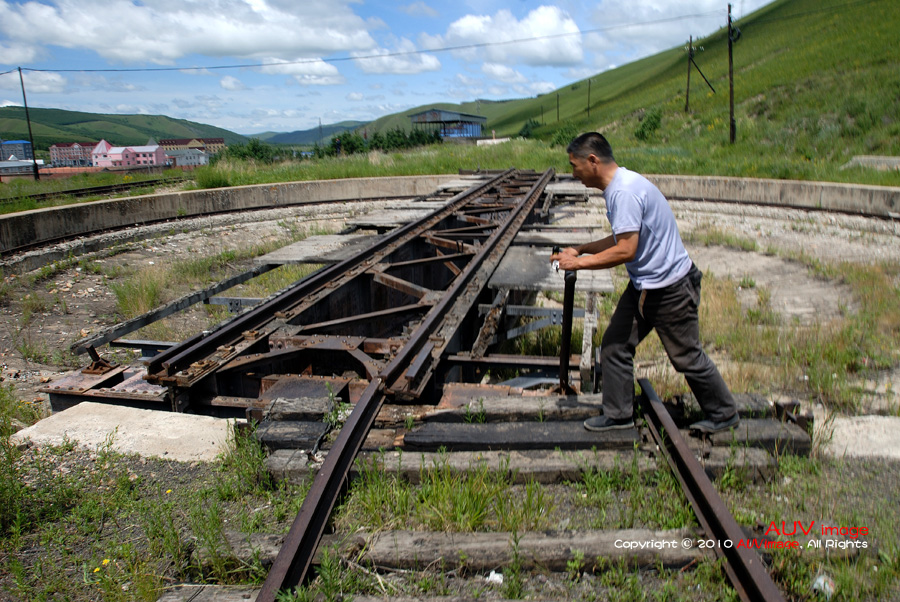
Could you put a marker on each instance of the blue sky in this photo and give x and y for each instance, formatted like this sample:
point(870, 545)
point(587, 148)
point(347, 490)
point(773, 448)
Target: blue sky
point(328, 60)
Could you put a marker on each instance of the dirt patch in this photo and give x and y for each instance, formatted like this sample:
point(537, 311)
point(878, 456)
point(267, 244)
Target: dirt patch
point(793, 293)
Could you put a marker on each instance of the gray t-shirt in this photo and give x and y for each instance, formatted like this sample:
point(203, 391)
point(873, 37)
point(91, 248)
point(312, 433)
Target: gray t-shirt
point(634, 204)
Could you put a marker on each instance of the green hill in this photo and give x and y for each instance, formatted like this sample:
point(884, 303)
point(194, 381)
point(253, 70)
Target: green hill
point(56, 125)
point(314, 135)
point(815, 83)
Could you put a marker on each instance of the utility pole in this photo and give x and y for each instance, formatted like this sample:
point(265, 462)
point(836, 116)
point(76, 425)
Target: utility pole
point(733, 127)
point(37, 175)
point(687, 94)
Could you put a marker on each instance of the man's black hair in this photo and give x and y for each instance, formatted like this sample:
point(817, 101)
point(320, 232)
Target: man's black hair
point(591, 143)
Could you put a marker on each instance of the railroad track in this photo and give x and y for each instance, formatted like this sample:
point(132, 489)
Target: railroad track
point(404, 331)
point(94, 190)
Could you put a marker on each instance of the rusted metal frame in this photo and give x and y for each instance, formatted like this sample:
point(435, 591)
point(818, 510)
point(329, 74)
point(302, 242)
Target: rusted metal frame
point(515, 361)
point(476, 220)
point(425, 261)
point(295, 557)
point(464, 235)
point(465, 229)
point(185, 355)
point(276, 356)
point(454, 245)
point(123, 328)
point(404, 286)
point(744, 566)
point(455, 269)
point(376, 346)
point(458, 298)
point(375, 315)
point(488, 331)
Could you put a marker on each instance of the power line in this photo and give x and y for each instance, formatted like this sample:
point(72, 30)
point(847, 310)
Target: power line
point(385, 55)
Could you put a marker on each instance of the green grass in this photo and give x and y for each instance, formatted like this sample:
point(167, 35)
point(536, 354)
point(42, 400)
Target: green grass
point(12, 193)
point(858, 499)
point(109, 527)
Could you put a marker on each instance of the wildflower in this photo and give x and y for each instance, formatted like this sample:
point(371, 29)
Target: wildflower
point(97, 570)
point(168, 491)
point(105, 561)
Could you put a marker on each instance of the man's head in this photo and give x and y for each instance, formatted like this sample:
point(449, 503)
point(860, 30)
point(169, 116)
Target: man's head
point(591, 143)
point(591, 158)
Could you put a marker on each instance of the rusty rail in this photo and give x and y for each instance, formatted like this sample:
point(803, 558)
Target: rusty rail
point(295, 557)
point(744, 567)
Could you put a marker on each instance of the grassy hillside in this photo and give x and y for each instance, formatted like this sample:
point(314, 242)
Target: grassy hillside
point(313, 135)
point(55, 125)
point(816, 83)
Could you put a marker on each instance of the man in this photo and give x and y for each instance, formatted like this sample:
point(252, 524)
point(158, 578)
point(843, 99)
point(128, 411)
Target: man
point(663, 292)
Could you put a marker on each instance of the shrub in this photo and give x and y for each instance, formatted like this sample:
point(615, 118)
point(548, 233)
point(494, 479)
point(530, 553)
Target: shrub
point(210, 177)
point(649, 124)
point(565, 134)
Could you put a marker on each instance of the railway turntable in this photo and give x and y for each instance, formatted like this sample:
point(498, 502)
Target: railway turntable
point(404, 335)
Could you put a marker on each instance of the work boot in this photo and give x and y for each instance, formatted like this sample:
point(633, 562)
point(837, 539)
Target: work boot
point(605, 423)
point(709, 426)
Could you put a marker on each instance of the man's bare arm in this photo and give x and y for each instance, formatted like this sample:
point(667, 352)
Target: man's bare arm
point(601, 254)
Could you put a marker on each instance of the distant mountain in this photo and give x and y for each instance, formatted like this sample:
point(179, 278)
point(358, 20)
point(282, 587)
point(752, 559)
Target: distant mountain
point(56, 125)
point(311, 136)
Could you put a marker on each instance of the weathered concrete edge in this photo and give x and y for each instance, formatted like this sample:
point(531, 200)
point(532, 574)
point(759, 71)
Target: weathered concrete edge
point(881, 201)
point(41, 225)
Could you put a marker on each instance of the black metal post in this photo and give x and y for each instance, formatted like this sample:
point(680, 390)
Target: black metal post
point(566, 343)
point(565, 350)
point(733, 127)
point(37, 175)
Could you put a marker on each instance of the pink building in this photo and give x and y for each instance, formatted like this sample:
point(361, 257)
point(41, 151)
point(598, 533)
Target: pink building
point(106, 155)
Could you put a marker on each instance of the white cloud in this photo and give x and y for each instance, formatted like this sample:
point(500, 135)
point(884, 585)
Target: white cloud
point(232, 83)
point(36, 82)
point(535, 88)
point(499, 31)
point(125, 31)
point(356, 97)
point(419, 9)
point(402, 60)
point(312, 72)
point(9, 103)
point(503, 73)
point(17, 54)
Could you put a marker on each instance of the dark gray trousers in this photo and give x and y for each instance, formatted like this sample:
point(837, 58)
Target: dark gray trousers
point(672, 311)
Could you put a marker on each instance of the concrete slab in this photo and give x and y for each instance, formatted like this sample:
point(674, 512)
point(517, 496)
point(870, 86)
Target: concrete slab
point(149, 433)
point(389, 218)
point(528, 269)
point(325, 248)
point(860, 436)
point(563, 237)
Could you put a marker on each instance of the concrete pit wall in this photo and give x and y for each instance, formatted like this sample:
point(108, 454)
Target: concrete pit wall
point(880, 201)
point(44, 225)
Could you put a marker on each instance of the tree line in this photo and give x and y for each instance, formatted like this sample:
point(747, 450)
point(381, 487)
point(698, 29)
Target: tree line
point(348, 143)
